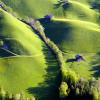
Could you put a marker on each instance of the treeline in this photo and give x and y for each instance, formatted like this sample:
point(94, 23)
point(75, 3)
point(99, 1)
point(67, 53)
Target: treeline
point(76, 88)
point(5, 95)
point(68, 77)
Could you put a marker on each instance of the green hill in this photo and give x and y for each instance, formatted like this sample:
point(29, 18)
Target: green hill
point(38, 9)
point(74, 35)
point(25, 58)
point(77, 37)
point(74, 27)
point(31, 8)
point(26, 62)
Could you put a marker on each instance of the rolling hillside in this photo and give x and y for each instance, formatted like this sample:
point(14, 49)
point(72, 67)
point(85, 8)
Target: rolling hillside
point(71, 34)
point(78, 32)
point(26, 62)
point(76, 10)
point(30, 8)
point(25, 58)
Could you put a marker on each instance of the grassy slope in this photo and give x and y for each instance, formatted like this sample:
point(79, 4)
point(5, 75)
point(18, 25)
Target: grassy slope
point(75, 28)
point(71, 34)
point(80, 11)
point(30, 70)
point(78, 32)
point(88, 68)
point(77, 9)
point(74, 37)
point(32, 7)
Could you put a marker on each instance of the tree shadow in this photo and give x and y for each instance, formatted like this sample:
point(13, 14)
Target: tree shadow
point(96, 66)
point(64, 5)
point(79, 97)
point(48, 90)
point(58, 29)
point(95, 5)
point(3, 53)
point(71, 60)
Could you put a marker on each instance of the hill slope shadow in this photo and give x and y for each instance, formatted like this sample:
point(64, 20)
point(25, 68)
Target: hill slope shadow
point(58, 29)
point(48, 90)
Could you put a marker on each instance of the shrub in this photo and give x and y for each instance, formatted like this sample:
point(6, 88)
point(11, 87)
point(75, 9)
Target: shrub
point(39, 27)
point(83, 86)
point(95, 93)
point(33, 98)
point(95, 89)
point(70, 77)
point(1, 43)
point(64, 90)
point(2, 93)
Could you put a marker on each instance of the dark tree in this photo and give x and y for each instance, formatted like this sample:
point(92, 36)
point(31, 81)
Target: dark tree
point(96, 5)
point(48, 18)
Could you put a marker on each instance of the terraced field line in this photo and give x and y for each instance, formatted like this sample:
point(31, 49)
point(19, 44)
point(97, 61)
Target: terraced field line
point(9, 52)
point(21, 56)
point(29, 56)
point(10, 39)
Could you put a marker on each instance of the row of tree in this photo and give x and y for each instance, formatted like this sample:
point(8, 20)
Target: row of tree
point(4, 95)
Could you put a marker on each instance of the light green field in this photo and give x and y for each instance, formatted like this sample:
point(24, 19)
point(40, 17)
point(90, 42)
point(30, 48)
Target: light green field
point(38, 9)
point(29, 67)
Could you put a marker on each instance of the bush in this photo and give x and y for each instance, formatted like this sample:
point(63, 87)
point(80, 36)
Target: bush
point(95, 89)
point(2, 93)
point(95, 93)
point(1, 43)
point(64, 90)
point(70, 77)
point(83, 87)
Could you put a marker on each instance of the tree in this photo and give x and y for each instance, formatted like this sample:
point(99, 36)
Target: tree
point(22, 96)
point(38, 26)
point(7, 96)
point(17, 96)
point(64, 4)
point(1, 43)
point(2, 94)
point(64, 90)
point(33, 98)
point(96, 5)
